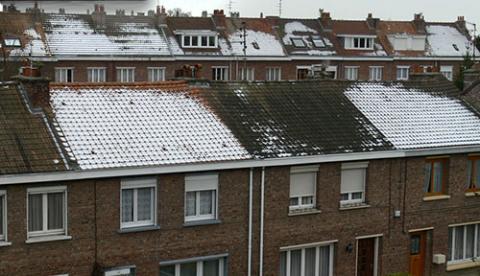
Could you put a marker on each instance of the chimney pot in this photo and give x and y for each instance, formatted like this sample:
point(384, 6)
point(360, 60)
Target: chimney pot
point(37, 87)
point(370, 15)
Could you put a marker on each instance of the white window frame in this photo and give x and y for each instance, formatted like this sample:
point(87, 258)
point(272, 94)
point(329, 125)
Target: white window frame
point(135, 184)
point(97, 74)
point(121, 74)
point(222, 264)
point(199, 40)
point(3, 237)
point(12, 42)
point(303, 247)
point(211, 185)
point(274, 74)
point(375, 253)
point(375, 73)
point(351, 72)
point(44, 191)
point(447, 71)
point(119, 271)
point(476, 249)
point(61, 74)
point(250, 74)
point(298, 42)
point(224, 73)
point(354, 166)
point(402, 75)
point(300, 170)
point(160, 71)
point(369, 42)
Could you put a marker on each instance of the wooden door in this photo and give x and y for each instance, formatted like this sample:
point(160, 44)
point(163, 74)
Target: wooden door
point(302, 74)
point(418, 242)
point(366, 257)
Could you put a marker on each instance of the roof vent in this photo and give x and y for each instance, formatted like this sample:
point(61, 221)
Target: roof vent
point(255, 45)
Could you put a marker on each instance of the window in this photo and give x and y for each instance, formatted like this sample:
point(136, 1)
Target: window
point(353, 183)
point(447, 71)
point(120, 271)
point(206, 266)
point(199, 41)
point(247, 74)
point(318, 42)
point(298, 42)
point(463, 243)
point(96, 74)
point(351, 72)
point(47, 211)
point(12, 42)
point(473, 174)
point(138, 202)
point(375, 73)
point(156, 74)
point(63, 74)
point(435, 176)
point(303, 182)
point(3, 216)
point(403, 72)
point(125, 74)
point(359, 43)
point(220, 73)
point(307, 261)
point(274, 74)
point(201, 197)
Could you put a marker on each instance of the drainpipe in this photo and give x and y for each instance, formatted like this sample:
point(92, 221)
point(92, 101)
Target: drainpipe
point(250, 210)
point(262, 203)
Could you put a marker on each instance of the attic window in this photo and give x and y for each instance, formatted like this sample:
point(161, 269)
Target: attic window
point(12, 42)
point(199, 41)
point(455, 47)
point(318, 42)
point(298, 42)
point(255, 45)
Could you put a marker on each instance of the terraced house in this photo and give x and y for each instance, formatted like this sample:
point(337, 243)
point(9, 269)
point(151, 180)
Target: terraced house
point(321, 178)
point(100, 47)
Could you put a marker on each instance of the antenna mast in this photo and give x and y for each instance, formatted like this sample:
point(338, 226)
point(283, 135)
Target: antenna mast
point(230, 6)
point(279, 8)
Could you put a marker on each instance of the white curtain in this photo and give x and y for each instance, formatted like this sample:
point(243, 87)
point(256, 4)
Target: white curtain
point(211, 268)
point(438, 167)
point(428, 177)
point(55, 211)
point(310, 254)
point(190, 202)
point(324, 261)
point(295, 262)
point(127, 205)
point(35, 213)
point(206, 198)
point(144, 201)
point(458, 243)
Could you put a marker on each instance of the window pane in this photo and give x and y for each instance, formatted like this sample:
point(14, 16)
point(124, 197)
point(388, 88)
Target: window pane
point(211, 268)
point(478, 240)
point(293, 201)
point(477, 174)
point(55, 211)
point(188, 269)
point(211, 41)
point(186, 40)
point(145, 202)
point(324, 261)
point(283, 264)
point(127, 205)
point(204, 41)
point(344, 197)
point(167, 270)
point(310, 261)
point(35, 213)
point(469, 174)
point(428, 177)
point(438, 176)
point(191, 203)
point(295, 262)
point(458, 243)
point(450, 243)
point(194, 40)
point(1, 214)
point(470, 241)
point(307, 200)
point(206, 200)
point(357, 195)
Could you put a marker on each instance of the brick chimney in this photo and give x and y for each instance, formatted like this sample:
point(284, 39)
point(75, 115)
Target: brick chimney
point(219, 19)
point(325, 20)
point(462, 25)
point(36, 87)
point(99, 16)
point(161, 16)
point(372, 22)
point(419, 22)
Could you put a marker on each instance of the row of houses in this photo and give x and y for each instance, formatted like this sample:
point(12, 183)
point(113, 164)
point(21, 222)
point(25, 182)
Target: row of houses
point(321, 178)
point(101, 47)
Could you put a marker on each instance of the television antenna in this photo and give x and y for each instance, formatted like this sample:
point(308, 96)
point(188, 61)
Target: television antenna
point(279, 8)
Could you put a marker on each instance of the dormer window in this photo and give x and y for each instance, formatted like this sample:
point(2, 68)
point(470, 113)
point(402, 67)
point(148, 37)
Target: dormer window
point(199, 41)
point(359, 43)
point(298, 42)
point(12, 42)
point(318, 42)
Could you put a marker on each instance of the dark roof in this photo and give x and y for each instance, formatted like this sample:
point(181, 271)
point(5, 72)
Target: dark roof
point(281, 119)
point(25, 142)
point(190, 23)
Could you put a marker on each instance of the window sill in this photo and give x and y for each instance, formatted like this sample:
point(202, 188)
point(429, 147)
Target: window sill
point(301, 212)
point(201, 222)
point(463, 265)
point(138, 229)
point(472, 194)
point(4, 243)
point(48, 239)
point(436, 197)
point(353, 206)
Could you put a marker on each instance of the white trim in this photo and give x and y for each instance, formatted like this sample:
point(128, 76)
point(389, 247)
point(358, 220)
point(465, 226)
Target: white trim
point(420, 229)
point(48, 239)
point(463, 224)
point(375, 252)
point(356, 165)
point(307, 245)
point(4, 236)
point(262, 218)
point(212, 185)
point(135, 184)
point(357, 35)
point(368, 236)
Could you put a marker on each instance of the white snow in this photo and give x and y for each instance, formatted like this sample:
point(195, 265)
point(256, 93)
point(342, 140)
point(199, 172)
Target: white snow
point(297, 29)
point(35, 46)
point(268, 45)
point(411, 119)
point(442, 38)
point(120, 127)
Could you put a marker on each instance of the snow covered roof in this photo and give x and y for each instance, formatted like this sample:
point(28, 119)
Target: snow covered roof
point(414, 115)
point(35, 46)
point(128, 126)
point(300, 39)
point(258, 44)
point(447, 40)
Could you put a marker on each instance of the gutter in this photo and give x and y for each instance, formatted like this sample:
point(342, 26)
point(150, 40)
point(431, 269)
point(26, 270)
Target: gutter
point(250, 219)
point(227, 165)
point(262, 215)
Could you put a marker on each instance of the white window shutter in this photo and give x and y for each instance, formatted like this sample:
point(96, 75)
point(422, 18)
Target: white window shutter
point(302, 184)
point(201, 182)
point(353, 180)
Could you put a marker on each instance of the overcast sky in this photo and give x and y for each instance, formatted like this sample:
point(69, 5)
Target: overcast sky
point(434, 10)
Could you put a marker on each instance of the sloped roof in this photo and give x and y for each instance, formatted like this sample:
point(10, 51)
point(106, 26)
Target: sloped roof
point(447, 40)
point(26, 144)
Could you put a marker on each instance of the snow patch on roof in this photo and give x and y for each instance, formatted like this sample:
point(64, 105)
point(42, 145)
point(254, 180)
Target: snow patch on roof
point(410, 118)
point(35, 46)
point(293, 28)
point(258, 44)
point(447, 41)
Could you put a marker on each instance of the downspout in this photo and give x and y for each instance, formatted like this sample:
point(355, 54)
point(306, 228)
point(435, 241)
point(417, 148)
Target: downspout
point(250, 211)
point(262, 203)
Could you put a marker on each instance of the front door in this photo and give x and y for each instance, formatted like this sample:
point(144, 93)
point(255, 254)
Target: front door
point(366, 257)
point(418, 243)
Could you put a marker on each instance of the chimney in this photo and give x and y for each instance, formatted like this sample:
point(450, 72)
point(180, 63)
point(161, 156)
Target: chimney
point(419, 22)
point(36, 87)
point(219, 19)
point(325, 20)
point(462, 25)
point(161, 16)
point(99, 16)
point(372, 22)
point(261, 15)
point(204, 14)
